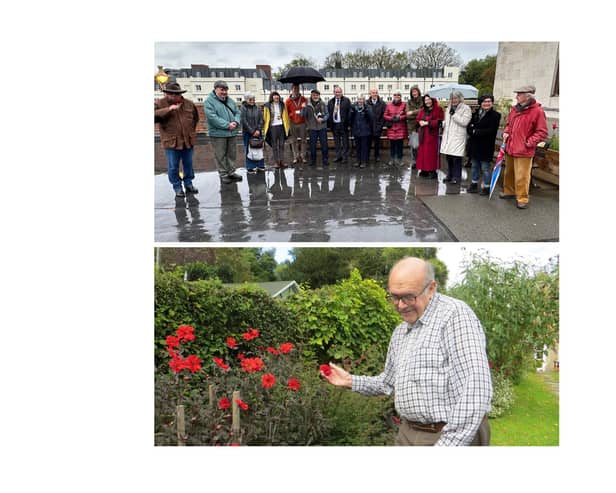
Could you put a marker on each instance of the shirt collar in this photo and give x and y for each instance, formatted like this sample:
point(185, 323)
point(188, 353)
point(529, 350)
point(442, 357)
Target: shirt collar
point(427, 315)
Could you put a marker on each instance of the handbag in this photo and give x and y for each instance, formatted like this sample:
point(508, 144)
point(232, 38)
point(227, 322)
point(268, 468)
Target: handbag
point(389, 123)
point(256, 142)
point(414, 140)
point(255, 153)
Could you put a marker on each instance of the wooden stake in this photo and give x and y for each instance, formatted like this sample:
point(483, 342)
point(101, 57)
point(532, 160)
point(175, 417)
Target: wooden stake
point(211, 395)
point(179, 414)
point(235, 424)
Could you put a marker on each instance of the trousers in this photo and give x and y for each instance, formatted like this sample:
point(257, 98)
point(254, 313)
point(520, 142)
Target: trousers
point(410, 436)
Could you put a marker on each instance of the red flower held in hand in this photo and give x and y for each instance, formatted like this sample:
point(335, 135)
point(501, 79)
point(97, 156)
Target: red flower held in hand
point(286, 347)
point(224, 403)
point(221, 363)
point(186, 332)
point(294, 384)
point(326, 369)
point(268, 380)
point(231, 342)
point(242, 404)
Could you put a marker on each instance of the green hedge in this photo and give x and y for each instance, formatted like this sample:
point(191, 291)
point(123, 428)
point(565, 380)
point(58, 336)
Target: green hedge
point(217, 312)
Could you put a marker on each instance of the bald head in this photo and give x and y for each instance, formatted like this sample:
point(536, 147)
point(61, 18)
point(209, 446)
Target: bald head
point(412, 278)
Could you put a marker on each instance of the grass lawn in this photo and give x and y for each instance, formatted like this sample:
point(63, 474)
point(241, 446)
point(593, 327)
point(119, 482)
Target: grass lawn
point(533, 419)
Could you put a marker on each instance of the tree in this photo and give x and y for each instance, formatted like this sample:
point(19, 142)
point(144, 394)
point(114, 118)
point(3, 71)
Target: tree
point(435, 56)
point(480, 73)
point(335, 60)
point(298, 61)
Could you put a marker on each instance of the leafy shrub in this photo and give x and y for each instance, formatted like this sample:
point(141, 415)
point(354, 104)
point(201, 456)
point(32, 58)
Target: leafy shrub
point(518, 308)
point(344, 321)
point(217, 312)
point(503, 397)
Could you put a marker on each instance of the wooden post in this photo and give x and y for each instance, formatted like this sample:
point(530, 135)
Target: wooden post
point(211, 395)
point(235, 424)
point(179, 414)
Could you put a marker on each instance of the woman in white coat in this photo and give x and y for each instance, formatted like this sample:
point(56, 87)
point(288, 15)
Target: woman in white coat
point(453, 141)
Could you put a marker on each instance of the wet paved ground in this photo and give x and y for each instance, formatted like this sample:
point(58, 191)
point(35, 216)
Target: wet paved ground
point(345, 204)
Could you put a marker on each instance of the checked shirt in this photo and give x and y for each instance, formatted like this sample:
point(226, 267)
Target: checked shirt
point(438, 370)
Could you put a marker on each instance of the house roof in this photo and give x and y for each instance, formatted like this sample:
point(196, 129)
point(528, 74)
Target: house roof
point(273, 288)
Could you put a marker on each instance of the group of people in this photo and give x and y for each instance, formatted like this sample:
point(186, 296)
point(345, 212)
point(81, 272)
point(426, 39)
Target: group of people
point(421, 120)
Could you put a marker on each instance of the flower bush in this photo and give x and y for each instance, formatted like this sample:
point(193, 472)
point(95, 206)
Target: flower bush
point(503, 397)
point(281, 402)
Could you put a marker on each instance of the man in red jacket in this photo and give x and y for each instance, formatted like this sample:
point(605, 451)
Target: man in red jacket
point(526, 127)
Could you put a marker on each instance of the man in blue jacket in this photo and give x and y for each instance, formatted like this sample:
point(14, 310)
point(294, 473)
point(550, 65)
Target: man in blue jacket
point(223, 123)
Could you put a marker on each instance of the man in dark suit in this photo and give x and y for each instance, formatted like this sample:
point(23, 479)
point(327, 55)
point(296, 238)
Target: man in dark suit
point(340, 119)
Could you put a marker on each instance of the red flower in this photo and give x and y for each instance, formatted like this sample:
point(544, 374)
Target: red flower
point(272, 350)
point(224, 403)
point(251, 334)
point(234, 444)
point(186, 332)
point(242, 404)
point(554, 126)
point(250, 365)
point(326, 370)
point(241, 356)
point(192, 363)
point(173, 341)
point(268, 380)
point(490, 364)
point(293, 384)
point(221, 363)
point(231, 342)
point(286, 347)
point(177, 364)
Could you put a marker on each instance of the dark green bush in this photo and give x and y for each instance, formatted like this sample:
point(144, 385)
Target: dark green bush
point(217, 312)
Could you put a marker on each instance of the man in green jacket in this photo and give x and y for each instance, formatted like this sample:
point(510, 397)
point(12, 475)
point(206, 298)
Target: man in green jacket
point(223, 123)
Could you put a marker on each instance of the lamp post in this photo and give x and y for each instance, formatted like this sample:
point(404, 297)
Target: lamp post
point(161, 77)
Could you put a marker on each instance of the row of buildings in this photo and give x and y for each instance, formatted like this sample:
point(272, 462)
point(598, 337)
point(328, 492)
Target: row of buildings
point(199, 80)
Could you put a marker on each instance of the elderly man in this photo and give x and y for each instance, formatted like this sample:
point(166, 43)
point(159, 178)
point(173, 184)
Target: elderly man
point(177, 118)
point(436, 364)
point(295, 103)
point(526, 127)
point(339, 109)
point(223, 122)
point(377, 106)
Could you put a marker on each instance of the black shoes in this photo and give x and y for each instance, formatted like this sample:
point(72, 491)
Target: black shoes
point(522, 205)
point(180, 193)
point(473, 188)
point(191, 189)
point(485, 191)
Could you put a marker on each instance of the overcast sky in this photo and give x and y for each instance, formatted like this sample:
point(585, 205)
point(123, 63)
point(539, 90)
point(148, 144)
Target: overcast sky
point(249, 54)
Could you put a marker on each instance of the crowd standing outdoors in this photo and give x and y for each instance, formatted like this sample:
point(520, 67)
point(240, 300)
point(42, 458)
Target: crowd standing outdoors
point(421, 119)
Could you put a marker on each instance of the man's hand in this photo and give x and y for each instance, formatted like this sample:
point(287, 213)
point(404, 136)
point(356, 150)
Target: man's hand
point(338, 377)
point(232, 125)
point(505, 137)
point(174, 106)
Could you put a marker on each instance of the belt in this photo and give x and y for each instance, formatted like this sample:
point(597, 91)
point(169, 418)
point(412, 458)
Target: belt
point(429, 427)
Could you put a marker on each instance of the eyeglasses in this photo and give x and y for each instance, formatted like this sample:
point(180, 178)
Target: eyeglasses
point(408, 299)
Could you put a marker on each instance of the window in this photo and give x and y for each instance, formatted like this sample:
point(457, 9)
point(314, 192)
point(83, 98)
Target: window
point(406, 86)
point(353, 87)
point(326, 87)
point(221, 74)
point(199, 100)
point(450, 75)
point(380, 87)
point(238, 87)
point(254, 75)
point(390, 87)
point(198, 74)
point(389, 98)
point(213, 74)
point(197, 87)
point(236, 74)
point(362, 87)
point(239, 100)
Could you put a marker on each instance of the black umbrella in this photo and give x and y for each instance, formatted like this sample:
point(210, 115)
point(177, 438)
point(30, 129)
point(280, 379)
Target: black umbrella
point(301, 75)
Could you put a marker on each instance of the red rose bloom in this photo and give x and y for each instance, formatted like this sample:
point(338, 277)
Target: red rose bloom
point(286, 347)
point(231, 342)
point(272, 350)
point(224, 403)
point(221, 363)
point(251, 334)
point(268, 380)
point(293, 384)
point(326, 369)
point(241, 356)
point(242, 404)
point(173, 341)
point(177, 364)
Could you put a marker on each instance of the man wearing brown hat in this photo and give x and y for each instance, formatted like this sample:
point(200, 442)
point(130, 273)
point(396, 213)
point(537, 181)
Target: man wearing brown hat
point(526, 127)
point(177, 118)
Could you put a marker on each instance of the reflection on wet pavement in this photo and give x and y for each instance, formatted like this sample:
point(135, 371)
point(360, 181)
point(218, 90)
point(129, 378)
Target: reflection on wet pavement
point(339, 204)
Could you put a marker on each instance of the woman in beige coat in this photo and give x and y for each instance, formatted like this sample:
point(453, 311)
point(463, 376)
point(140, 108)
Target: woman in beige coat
point(453, 140)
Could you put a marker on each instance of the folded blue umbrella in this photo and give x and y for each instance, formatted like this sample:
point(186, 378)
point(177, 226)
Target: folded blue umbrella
point(497, 169)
